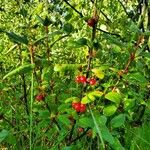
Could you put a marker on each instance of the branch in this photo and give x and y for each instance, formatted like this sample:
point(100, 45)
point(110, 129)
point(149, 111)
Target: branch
point(73, 8)
point(60, 38)
point(124, 9)
point(25, 93)
point(105, 16)
point(109, 33)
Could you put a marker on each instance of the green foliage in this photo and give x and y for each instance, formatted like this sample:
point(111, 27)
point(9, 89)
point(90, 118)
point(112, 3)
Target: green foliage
point(21, 69)
point(56, 37)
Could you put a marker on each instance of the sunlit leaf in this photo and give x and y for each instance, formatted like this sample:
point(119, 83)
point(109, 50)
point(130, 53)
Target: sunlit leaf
point(21, 69)
point(17, 38)
point(98, 73)
point(114, 97)
point(109, 110)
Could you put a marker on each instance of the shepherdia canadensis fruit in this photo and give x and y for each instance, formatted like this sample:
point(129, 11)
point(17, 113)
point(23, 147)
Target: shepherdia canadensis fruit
point(81, 79)
point(91, 22)
point(92, 81)
point(79, 107)
point(40, 97)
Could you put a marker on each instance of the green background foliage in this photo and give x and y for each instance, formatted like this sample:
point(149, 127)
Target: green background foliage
point(45, 44)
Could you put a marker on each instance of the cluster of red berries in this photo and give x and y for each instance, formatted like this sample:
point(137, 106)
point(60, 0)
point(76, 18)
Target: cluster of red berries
point(83, 79)
point(79, 107)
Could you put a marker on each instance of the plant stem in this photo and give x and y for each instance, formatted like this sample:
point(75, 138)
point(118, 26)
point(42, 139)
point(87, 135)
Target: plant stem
point(73, 8)
point(31, 98)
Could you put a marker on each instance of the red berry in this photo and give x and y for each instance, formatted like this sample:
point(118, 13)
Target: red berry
point(80, 129)
point(40, 97)
point(74, 104)
point(82, 107)
point(82, 79)
point(91, 22)
point(77, 107)
point(78, 79)
point(92, 81)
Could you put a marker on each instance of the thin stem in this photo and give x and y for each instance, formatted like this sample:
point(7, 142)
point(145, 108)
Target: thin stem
point(124, 8)
point(25, 93)
point(31, 98)
point(109, 33)
point(73, 8)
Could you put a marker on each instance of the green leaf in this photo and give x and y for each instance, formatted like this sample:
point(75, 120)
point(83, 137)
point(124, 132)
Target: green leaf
point(53, 34)
point(40, 19)
point(68, 28)
point(118, 121)
point(21, 69)
point(109, 110)
point(17, 38)
point(86, 122)
point(117, 145)
point(147, 33)
point(3, 134)
point(96, 93)
point(82, 41)
point(64, 119)
point(44, 114)
point(90, 97)
point(114, 40)
point(107, 136)
point(72, 99)
point(98, 73)
point(114, 97)
point(87, 99)
point(137, 77)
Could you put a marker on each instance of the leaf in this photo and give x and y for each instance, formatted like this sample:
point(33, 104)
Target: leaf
point(44, 114)
point(87, 99)
point(117, 145)
point(17, 38)
point(68, 28)
point(118, 121)
point(40, 19)
point(114, 40)
point(82, 41)
point(64, 119)
point(72, 99)
point(96, 93)
point(98, 73)
point(90, 97)
point(63, 107)
point(49, 36)
point(137, 77)
point(147, 33)
point(3, 134)
point(21, 69)
point(86, 122)
point(114, 97)
point(107, 136)
point(109, 110)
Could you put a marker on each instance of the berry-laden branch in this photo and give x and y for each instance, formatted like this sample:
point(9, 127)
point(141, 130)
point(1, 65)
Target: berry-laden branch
point(93, 23)
point(81, 15)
